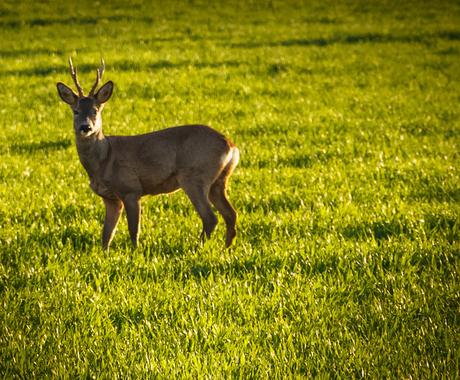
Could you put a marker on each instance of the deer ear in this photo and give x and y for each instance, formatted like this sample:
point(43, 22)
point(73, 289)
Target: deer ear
point(105, 92)
point(67, 94)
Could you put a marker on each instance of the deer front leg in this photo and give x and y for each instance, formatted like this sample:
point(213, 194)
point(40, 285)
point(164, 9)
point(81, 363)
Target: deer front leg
point(113, 209)
point(133, 214)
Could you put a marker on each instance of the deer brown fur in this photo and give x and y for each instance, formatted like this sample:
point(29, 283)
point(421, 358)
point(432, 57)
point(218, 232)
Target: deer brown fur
point(122, 169)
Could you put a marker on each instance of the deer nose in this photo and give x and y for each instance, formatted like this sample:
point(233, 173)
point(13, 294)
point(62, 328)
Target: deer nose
point(85, 128)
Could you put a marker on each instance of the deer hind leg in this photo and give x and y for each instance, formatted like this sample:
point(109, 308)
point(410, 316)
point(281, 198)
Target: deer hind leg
point(133, 214)
point(218, 197)
point(198, 194)
point(113, 209)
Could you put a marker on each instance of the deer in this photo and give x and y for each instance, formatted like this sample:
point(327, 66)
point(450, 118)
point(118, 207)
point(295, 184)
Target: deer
point(122, 169)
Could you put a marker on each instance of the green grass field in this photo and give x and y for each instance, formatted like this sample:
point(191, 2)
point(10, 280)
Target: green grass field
point(347, 116)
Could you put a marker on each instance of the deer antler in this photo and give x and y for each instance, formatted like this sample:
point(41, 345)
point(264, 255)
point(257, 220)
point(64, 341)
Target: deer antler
point(73, 73)
point(99, 71)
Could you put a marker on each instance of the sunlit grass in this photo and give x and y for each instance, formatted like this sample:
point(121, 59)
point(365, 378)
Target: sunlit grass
point(346, 262)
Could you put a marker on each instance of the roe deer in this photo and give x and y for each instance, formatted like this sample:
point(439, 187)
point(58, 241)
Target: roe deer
point(122, 169)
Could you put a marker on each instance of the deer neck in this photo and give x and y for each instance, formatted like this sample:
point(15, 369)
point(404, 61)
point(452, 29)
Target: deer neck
point(93, 152)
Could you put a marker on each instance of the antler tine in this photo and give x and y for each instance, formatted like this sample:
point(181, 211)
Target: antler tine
point(100, 71)
point(73, 73)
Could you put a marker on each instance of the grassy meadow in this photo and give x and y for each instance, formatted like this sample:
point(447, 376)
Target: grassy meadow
point(346, 263)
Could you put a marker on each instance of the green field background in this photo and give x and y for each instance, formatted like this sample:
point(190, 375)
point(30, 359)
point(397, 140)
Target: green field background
point(346, 263)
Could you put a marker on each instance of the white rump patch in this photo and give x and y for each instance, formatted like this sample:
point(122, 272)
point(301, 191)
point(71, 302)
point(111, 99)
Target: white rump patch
point(233, 154)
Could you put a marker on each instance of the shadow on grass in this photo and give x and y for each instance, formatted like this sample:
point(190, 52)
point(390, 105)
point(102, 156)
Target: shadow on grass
point(79, 239)
point(78, 21)
point(165, 64)
point(381, 230)
point(17, 53)
point(432, 224)
point(42, 146)
point(351, 40)
point(426, 191)
point(301, 161)
point(264, 267)
point(40, 243)
point(43, 71)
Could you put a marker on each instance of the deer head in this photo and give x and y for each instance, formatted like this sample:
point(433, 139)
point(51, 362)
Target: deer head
point(86, 109)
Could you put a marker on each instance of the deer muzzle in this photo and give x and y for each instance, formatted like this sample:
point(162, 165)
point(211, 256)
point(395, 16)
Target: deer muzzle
point(85, 128)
